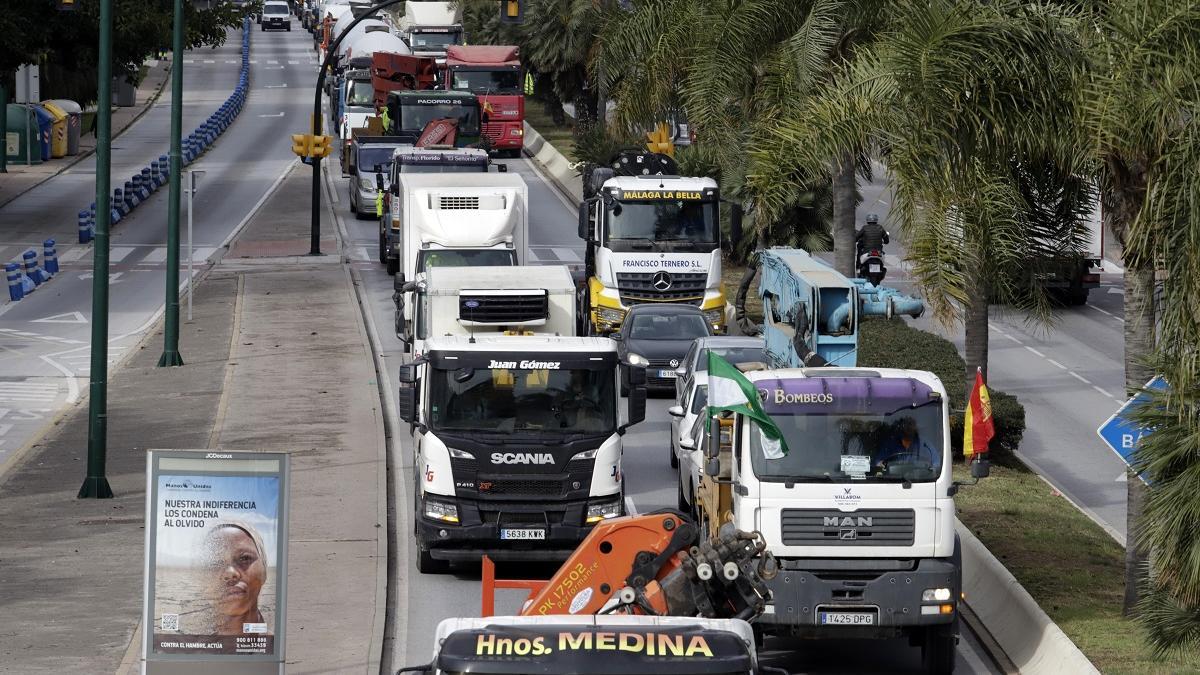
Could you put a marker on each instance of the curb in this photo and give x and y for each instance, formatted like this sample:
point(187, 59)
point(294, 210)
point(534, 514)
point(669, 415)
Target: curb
point(1026, 634)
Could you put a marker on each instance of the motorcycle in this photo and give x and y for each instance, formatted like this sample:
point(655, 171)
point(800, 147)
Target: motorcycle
point(871, 267)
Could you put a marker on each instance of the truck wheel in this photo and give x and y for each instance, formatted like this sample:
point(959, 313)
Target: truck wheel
point(427, 564)
point(393, 265)
point(938, 649)
point(1077, 297)
point(674, 457)
point(382, 249)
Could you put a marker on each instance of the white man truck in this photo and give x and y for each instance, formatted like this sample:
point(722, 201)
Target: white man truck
point(454, 219)
point(649, 238)
point(481, 300)
point(517, 444)
point(859, 510)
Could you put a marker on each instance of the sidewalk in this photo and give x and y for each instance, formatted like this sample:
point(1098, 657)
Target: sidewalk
point(22, 178)
point(277, 359)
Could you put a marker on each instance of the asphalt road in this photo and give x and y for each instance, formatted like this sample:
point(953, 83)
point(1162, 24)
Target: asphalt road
point(44, 353)
point(650, 482)
point(1069, 376)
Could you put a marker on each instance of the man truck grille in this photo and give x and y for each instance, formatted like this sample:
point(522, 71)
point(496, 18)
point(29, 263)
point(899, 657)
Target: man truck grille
point(828, 527)
point(684, 287)
point(504, 309)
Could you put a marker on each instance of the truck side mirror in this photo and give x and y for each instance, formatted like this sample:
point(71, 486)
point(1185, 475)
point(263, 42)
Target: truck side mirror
point(406, 401)
point(688, 444)
point(424, 670)
point(585, 224)
point(378, 180)
point(675, 411)
point(407, 374)
point(398, 282)
point(637, 376)
point(502, 168)
point(980, 468)
point(637, 405)
point(712, 467)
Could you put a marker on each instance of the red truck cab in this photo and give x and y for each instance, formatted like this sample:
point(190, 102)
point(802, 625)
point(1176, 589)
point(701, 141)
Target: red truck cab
point(493, 73)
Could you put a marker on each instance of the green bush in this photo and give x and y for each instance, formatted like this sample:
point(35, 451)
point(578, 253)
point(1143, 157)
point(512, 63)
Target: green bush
point(884, 343)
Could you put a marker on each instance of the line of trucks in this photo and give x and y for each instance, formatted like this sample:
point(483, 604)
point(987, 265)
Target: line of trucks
point(513, 398)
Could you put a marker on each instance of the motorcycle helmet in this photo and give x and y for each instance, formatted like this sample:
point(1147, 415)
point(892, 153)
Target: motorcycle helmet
point(872, 219)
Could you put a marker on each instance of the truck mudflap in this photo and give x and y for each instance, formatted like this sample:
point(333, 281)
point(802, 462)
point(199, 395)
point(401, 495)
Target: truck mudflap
point(862, 597)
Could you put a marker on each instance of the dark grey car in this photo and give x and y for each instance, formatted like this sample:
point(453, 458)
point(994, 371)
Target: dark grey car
point(656, 337)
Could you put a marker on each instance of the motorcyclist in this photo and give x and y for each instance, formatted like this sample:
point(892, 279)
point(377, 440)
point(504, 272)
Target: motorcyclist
point(871, 237)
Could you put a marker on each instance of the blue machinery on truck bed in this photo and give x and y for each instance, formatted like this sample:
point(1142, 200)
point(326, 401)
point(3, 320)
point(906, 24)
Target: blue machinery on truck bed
point(811, 311)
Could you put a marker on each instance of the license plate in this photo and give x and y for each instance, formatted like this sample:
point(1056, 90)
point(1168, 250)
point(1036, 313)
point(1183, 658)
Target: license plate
point(847, 618)
point(522, 533)
point(874, 268)
point(667, 373)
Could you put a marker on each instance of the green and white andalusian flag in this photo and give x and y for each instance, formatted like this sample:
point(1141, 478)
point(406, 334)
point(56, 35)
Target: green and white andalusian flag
point(728, 389)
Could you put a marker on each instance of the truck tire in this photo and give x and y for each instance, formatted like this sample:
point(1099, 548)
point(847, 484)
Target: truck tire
point(427, 564)
point(383, 256)
point(938, 649)
point(674, 457)
point(1077, 297)
point(393, 265)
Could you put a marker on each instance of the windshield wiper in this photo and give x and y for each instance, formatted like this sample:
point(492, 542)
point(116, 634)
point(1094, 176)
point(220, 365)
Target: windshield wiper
point(653, 244)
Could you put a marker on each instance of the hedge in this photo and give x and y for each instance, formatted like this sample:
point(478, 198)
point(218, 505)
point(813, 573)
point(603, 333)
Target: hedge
point(892, 343)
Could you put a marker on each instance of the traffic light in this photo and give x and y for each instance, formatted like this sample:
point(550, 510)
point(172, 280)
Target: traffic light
point(302, 144)
point(66, 5)
point(511, 11)
point(322, 146)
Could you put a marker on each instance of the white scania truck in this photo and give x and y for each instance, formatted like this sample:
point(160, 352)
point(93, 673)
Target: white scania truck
point(649, 238)
point(859, 513)
point(517, 443)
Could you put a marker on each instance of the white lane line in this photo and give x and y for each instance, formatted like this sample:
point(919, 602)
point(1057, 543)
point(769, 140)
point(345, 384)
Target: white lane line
point(119, 253)
point(1103, 392)
point(1080, 377)
point(1056, 364)
point(209, 61)
point(293, 63)
point(186, 61)
point(230, 61)
point(1106, 313)
point(1035, 352)
point(630, 507)
point(158, 255)
point(567, 254)
point(1011, 338)
point(273, 62)
point(76, 253)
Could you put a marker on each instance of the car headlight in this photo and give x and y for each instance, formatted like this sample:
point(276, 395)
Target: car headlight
point(610, 315)
point(599, 511)
point(716, 317)
point(366, 183)
point(935, 595)
point(447, 513)
point(638, 360)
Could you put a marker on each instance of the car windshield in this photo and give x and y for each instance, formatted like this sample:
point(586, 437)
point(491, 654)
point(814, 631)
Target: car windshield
point(647, 326)
point(361, 95)
point(368, 157)
point(904, 444)
point(486, 81)
point(443, 257)
point(414, 117)
point(275, 9)
point(434, 40)
point(663, 220)
point(508, 400)
point(734, 355)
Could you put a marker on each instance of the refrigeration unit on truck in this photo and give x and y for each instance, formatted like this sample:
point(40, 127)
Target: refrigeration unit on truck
point(493, 73)
point(487, 300)
point(453, 220)
point(649, 238)
point(517, 444)
point(429, 28)
point(856, 504)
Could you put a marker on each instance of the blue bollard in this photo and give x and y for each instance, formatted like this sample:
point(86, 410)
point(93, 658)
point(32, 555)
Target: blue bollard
point(148, 180)
point(139, 190)
point(50, 257)
point(85, 226)
point(119, 204)
point(32, 270)
point(131, 198)
point(15, 290)
point(155, 174)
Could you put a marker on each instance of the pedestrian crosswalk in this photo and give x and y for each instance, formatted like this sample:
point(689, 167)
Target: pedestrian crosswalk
point(81, 255)
point(308, 62)
point(29, 391)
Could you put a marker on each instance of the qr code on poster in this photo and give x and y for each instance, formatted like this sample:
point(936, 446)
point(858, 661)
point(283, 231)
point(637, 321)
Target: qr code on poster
point(170, 622)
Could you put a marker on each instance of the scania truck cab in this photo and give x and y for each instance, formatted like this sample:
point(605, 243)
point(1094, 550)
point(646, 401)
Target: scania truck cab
point(651, 238)
point(859, 510)
point(517, 445)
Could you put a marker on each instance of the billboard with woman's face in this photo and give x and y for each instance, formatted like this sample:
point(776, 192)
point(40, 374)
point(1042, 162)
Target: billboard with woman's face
point(215, 562)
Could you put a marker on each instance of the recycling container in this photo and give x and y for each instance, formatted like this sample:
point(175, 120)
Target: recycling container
point(124, 94)
point(21, 134)
point(45, 122)
point(58, 129)
point(74, 123)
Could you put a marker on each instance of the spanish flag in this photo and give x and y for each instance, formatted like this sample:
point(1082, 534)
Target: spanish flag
point(977, 423)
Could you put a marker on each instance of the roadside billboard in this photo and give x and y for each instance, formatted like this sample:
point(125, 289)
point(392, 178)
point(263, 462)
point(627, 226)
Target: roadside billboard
point(216, 560)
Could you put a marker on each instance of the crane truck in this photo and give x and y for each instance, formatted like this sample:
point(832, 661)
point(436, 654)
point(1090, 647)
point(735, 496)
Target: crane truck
point(650, 236)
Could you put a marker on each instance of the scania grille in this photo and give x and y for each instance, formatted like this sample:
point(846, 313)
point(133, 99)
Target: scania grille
point(684, 287)
point(503, 309)
point(527, 484)
point(868, 527)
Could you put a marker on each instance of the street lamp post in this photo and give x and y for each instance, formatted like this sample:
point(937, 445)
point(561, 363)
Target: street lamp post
point(95, 485)
point(170, 355)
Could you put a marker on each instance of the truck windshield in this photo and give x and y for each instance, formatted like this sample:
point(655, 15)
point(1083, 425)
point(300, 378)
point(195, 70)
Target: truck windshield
point(439, 41)
point(368, 157)
point(415, 117)
point(470, 257)
point(693, 221)
point(361, 94)
point(486, 81)
point(904, 444)
point(508, 400)
point(431, 167)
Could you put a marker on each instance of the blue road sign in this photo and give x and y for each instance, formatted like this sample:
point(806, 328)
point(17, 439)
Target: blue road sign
point(1121, 434)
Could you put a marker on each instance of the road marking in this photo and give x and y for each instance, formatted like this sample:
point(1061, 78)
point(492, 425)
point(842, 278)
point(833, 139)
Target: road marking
point(1123, 478)
point(1103, 392)
point(119, 253)
point(1112, 267)
point(272, 62)
point(1056, 364)
point(1011, 338)
point(113, 277)
point(630, 507)
point(1110, 314)
point(209, 61)
point(1116, 291)
point(275, 115)
point(567, 254)
point(158, 255)
point(1035, 352)
point(35, 336)
point(293, 63)
point(201, 254)
point(74, 254)
point(276, 86)
point(69, 317)
point(361, 253)
point(189, 61)
point(230, 61)
point(1080, 377)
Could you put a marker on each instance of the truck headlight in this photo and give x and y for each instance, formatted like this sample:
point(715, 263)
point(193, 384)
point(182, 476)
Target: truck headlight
point(517, 132)
point(435, 510)
point(935, 595)
point(638, 360)
point(610, 315)
point(586, 454)
point(366, 184)
point(599, 511)
point(716, 317)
